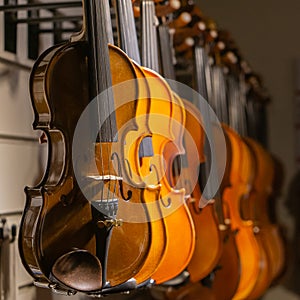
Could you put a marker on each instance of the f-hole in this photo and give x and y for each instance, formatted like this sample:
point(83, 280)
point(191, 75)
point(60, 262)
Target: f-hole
point(145, 148)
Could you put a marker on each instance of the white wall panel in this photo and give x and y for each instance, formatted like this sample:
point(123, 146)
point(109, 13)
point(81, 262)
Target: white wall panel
point(16, 114)
point(19, 166)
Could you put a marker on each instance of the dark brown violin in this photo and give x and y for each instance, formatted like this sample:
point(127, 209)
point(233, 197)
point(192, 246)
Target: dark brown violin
point(63, 229)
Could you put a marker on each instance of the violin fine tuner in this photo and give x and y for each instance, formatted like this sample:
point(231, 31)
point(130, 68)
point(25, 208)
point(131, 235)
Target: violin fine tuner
point(110, 223)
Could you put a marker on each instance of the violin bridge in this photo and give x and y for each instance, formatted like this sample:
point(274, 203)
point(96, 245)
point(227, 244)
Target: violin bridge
point(105, 177)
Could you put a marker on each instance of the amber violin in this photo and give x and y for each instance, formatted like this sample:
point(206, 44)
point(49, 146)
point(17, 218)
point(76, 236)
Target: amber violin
point(172, 202)
point(257, 251)
point(258, 204)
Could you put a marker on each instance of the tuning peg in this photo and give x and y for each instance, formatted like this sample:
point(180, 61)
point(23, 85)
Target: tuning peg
point(182, 20)
point(187, 44)
point(163, 10)
point(182, 33)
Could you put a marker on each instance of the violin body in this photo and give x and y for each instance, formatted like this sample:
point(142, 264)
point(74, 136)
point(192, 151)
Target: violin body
point(223, 263)
point(208, 248)
point(208, 245)
point(172, 202)
point(57, 217)
point(268, 233)
point(241, 177)
point(137, 167)
point(227, 271)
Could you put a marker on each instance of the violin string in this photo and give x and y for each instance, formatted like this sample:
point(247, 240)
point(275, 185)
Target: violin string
point(94, 64)
point(111, 194)
point(100, 119)
point(180, 161)
point(105, 81)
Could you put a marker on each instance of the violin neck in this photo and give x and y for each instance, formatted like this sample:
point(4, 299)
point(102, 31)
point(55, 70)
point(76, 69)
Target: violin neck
point(149, 46)
point(126, 29)
point(242, 105)
point(219, 91)
point(237, 117)
point(166, 52)
point(203, 75)
point(209, 173)
point(252, 118)
point(99, 34)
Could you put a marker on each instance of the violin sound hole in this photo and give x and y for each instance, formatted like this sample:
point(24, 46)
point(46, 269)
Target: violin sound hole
point(166, 203)
point(116, 158)
point(129, 171)
point(146, 148)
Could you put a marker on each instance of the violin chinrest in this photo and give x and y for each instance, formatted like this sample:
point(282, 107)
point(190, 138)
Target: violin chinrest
point(79, 270)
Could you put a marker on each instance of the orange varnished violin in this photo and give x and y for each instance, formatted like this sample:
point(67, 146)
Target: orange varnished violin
point(240, 178)
point(277, 184)
point(138, 143)
point(220, 266)
point(215, 250)
point(258, 208)
point(183, 171)
point(265, 190)
point(223, 287)
point(172, 201)
point(205, 258)
point(261, 265)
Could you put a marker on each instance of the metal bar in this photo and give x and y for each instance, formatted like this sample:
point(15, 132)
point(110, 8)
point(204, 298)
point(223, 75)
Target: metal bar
point(18, 138)
point(49, 19)
point(24, 286)
point(35, 6)
point(11, 213)
point(63, 30)
point(15, 63)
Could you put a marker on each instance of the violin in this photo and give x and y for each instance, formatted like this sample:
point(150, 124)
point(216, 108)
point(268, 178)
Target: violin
point(219, 270)
point(256, 99)
point(238, 180)
point(276, 192)
point(183, 169)
point(60, 224)
point(222, 285)
point(256, 275)
point(172, 202)
point(205, 258)
point(138, 144)
point(258, 204)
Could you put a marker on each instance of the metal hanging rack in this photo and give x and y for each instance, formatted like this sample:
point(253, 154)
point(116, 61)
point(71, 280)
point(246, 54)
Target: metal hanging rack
point(55, 18)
